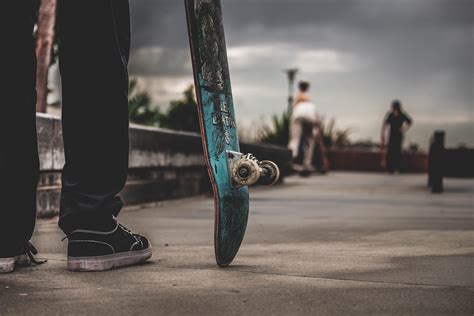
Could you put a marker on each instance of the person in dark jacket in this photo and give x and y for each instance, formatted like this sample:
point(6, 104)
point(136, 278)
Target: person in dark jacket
point(397, 122)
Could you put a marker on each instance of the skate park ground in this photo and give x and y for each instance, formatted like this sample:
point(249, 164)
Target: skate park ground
point(345, 243)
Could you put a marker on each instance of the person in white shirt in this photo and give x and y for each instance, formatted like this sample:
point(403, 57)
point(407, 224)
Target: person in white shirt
point(304, 126)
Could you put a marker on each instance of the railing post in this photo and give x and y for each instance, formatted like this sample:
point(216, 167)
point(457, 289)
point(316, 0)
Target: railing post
point(430, 162)
point(435, 166)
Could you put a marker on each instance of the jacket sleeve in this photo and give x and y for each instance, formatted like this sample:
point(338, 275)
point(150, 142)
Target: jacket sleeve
point(408, 119)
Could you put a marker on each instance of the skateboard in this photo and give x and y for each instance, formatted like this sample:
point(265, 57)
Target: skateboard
point(230, 171)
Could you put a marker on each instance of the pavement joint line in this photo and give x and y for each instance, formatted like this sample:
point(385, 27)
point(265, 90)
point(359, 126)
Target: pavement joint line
point(305, 276)
point(330, 279)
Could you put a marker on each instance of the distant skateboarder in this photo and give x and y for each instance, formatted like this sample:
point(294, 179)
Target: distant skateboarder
point(397, 122)
point(94, 50)
point(304, 125)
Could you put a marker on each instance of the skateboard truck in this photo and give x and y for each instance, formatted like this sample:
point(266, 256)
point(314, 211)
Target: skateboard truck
point(245, 169)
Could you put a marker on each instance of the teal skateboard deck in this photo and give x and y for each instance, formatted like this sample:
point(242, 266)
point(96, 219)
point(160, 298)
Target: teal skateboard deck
point(230, 171)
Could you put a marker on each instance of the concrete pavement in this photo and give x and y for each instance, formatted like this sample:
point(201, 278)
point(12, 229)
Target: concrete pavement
point(346, 243)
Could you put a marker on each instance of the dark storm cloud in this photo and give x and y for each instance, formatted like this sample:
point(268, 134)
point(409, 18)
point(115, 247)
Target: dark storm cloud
point(163, 21)
point(358, 14)
point(394, 32)
point(359, 55)
point(158, 22)
point(165, 61)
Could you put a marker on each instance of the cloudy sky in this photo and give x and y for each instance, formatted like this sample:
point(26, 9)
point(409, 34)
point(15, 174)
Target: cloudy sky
point(358, 54)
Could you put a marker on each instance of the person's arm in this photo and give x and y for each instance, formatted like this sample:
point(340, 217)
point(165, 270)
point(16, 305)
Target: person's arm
point(383, 142)
point(383, 136)
point(407, 124)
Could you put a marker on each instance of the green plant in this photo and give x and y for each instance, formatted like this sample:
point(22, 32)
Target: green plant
point(182, 114)
point(333, 136)
point(140, 108)
point(278, 132)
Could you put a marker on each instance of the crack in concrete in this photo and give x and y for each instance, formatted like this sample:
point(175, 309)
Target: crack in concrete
point(331, 279)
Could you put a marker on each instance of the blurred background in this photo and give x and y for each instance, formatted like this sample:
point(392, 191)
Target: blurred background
point(358, 55)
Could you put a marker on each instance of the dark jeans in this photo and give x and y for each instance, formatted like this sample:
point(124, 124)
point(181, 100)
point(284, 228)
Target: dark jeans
point(394, 153)
point(94, 50)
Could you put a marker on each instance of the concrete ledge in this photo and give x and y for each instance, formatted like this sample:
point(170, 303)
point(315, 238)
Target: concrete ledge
point(164, 164)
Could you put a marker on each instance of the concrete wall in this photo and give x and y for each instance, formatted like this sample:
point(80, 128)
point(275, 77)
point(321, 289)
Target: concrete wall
point(164, 164)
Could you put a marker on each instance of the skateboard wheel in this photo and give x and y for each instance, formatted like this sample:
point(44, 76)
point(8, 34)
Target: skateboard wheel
point(270, 172)
point(246, 172)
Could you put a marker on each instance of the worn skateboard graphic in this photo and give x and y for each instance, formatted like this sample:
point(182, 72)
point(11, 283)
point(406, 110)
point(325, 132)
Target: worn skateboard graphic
point(229, 170)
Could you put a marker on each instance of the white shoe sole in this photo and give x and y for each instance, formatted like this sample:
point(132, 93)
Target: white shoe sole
point(7, 265)
point(22, 261)
point(108, 262)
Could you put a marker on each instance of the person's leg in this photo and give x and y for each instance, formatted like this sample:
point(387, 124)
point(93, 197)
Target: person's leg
point(296, 131)
point(397, 155)
point(95, 44)
point(309, 147)
point(394, 153)
point(19, 166)
point(391, 153)
point(390, 158)
point(320, 160)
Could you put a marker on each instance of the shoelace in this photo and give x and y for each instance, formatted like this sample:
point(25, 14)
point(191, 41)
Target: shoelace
point(125, 229)
point(31, 251)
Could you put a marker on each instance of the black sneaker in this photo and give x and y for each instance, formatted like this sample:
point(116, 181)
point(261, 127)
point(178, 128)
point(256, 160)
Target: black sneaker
point(90, 250)
point(21, 258)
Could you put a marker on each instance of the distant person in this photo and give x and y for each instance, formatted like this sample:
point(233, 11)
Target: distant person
point(397, 122)
point(304, 124)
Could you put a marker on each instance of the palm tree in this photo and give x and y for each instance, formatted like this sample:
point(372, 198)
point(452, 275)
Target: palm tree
point(333, 136)
point(140, 109)
point(278, 132)
point(182, 114)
